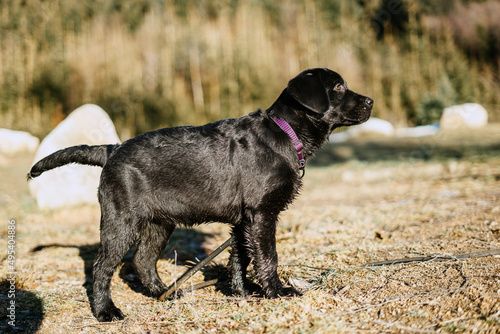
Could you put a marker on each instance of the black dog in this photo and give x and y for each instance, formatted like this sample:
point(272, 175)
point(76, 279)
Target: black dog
point(241, 171)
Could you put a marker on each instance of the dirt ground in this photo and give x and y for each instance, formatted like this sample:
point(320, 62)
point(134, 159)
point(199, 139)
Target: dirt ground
point(363, 201)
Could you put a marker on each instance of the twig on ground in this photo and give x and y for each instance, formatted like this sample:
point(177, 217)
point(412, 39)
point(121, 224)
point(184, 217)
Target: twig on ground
point(434, 258)
point(98, 324)
point(200, 285)
point(306, 266)
point(193, 270)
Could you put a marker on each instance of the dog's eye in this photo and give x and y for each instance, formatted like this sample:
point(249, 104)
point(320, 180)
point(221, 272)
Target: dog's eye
point(339, 87)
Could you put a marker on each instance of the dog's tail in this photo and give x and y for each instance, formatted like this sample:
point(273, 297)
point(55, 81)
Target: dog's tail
point(84, 154)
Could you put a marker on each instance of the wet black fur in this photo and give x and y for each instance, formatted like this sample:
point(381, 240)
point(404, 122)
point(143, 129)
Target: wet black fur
point(83, 154)
point(241, 171)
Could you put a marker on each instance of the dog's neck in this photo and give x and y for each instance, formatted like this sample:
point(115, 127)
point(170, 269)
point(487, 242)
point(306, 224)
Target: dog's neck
point(295, 140)
point(310, 130)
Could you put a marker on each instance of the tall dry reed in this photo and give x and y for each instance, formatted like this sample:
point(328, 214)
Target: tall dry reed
point(157, 65)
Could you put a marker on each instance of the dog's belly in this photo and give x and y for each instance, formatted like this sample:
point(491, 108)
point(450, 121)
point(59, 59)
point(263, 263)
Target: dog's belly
point(198, 208)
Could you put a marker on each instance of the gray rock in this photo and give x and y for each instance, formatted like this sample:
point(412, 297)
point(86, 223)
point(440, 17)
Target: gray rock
point(73, 184)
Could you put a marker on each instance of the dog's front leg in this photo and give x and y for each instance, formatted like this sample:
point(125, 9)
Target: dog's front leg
point(239, 261)
point(266, 257)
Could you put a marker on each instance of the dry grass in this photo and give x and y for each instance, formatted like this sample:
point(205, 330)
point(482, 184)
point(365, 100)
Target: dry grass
point(348, 214)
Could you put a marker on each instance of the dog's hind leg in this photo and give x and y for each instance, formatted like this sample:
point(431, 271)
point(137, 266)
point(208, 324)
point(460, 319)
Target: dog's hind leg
point(154, 238)
point(115, 242)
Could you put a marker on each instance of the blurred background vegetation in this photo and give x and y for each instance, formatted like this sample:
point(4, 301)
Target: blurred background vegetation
point(157, 63)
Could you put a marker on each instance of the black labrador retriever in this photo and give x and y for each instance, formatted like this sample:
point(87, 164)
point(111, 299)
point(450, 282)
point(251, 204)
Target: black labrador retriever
point(241, 171)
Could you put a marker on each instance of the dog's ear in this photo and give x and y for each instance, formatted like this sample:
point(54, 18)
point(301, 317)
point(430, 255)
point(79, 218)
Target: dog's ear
point(308, 89)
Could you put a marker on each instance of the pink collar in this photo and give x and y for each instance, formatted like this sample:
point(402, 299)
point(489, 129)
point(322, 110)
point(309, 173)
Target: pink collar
point(295, 140)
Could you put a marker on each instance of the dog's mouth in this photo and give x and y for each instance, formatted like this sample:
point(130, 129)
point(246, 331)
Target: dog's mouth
point(360, 112)
point(361, 115)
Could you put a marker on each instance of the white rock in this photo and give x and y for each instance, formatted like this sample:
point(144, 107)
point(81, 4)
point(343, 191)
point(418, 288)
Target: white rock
point(73, 184)
point(468, 115)
point(372, 126)
point(339, 137)
point(418, 131)
point(12, 142)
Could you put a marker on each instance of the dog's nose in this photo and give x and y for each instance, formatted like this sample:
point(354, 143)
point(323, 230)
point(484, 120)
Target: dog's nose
point(369, 102)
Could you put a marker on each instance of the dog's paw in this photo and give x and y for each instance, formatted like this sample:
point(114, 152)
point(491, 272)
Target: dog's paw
point(157, 292)
point(284, 291)
point(240, 291)
point(289, 291)
point(112, 313)
point(247, 289)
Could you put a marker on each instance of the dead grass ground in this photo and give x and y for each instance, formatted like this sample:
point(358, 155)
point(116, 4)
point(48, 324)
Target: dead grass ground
point(363, 201)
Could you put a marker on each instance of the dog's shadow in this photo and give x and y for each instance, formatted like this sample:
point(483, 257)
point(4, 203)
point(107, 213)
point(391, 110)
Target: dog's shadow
point(184, 247)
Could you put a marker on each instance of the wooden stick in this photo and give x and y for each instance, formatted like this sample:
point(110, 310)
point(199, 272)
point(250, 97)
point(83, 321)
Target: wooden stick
point(193, 270)
point(200, 285)
point(437, 258)
point(434, 258)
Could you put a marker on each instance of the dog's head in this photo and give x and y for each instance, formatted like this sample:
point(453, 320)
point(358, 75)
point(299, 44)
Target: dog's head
point(326, 94)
